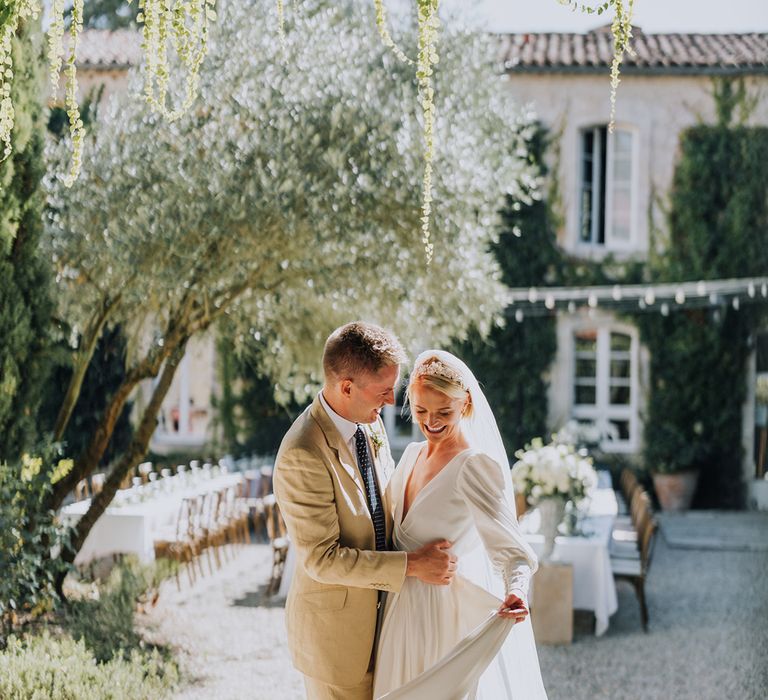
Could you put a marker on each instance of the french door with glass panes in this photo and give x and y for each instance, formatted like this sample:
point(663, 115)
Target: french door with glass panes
point(605, 384)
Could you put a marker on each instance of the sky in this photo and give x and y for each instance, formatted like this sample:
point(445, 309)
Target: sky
point(650, 15)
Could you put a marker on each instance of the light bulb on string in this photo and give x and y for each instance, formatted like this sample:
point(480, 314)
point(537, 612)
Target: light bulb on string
point(764, 289)
point(533, 295)
point(735, 303)
point(713, 300)
point(751, 290)
point(641, 303)
point(680, 296)
point(701, 289)
point(549, 302)
point(592, 301)
point(616, 293)
point(519, 315)
point(571, 307)
point(665, 309)
point(650, 297)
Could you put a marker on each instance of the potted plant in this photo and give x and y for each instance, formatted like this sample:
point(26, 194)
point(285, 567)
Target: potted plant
point(675, 480)
point(551, 477)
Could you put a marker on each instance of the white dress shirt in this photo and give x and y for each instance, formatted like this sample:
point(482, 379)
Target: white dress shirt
point(346, 428)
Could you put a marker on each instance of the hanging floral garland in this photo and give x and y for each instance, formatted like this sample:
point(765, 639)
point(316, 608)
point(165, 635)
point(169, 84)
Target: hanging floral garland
point(55, 51)
point(15, 12)
point(429, 26)
point(621, 29)
point(185, 23)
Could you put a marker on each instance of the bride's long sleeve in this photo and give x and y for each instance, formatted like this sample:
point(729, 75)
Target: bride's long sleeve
point(481, 484)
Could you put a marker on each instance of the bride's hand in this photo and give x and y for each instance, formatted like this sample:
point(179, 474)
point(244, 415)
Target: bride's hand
point(514, 607)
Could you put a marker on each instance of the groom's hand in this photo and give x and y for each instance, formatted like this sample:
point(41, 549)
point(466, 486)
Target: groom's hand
point(433, 563)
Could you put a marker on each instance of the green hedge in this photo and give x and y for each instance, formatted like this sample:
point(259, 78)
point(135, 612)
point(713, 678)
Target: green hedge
point(718, 229)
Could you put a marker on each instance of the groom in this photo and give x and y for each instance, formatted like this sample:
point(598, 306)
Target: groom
point(330, 478)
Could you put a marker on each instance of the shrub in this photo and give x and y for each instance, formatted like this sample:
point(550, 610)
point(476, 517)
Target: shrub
point(27, 534)
point(105, 624)
point(62, 669)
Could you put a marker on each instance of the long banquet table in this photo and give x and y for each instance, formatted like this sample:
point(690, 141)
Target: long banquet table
point(130, 526)
point(593, 584)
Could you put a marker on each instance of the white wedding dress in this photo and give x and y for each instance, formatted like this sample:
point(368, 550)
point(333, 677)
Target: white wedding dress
point(446, 642)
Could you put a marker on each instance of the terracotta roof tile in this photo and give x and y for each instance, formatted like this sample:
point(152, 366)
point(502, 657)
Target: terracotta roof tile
point(531, 52)
point(104, 49)
point(708, 53)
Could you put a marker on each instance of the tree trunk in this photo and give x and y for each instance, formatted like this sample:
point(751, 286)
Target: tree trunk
point(178, 332)
point(84, 356)
point(136, 450)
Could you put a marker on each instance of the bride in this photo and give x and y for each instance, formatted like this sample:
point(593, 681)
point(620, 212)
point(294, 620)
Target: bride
point(472, 638)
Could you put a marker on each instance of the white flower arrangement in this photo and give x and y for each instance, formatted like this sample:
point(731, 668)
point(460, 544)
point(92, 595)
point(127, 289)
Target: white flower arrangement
point(584, 434)
point(553, 470)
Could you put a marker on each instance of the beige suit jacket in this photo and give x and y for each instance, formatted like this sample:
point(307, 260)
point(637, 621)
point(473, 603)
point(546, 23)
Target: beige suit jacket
point(332, 604)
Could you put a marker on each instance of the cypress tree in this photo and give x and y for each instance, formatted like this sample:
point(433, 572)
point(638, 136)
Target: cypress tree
point(25, 276)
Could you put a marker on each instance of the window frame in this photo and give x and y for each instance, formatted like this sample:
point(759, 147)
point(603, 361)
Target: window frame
point(602, 412)
point(602, 210)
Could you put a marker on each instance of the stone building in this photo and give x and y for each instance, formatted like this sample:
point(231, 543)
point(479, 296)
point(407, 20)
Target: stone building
point(612, 189)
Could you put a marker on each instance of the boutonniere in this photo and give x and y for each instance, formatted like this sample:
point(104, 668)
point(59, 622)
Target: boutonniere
point(377, 440)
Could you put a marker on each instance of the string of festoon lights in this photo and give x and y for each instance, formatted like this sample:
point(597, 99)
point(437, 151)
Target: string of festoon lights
point(637, 298)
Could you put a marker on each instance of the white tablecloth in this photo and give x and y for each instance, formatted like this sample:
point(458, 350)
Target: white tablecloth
point(131, 528)
point(593, 584)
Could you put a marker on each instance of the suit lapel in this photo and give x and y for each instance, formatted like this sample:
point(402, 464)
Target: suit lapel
point(346, 460)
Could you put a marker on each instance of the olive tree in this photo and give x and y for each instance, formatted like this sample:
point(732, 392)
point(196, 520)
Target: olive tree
point(287, 203)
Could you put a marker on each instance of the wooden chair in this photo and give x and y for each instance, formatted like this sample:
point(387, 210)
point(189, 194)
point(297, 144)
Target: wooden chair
point(278, 536)
point(97, 482)
point(625, 543)
point(81, 490)
point(179, 545)
point(628, 484)
point(636, 570)
point(144, 469)
point(253, 502)
point(266, 480)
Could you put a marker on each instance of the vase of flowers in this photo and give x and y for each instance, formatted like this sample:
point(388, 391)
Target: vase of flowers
point(551, 477)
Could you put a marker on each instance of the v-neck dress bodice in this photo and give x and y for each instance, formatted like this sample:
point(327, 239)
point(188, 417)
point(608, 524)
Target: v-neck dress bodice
point(423, 624)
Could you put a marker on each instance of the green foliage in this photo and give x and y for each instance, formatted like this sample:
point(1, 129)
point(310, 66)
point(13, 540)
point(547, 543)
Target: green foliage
point(27, 534)
point(25, 299)
point(312, 223)
point(105, 624)
point(62, 669)
point(249, 418)
point(718, 229)
point(514, 358)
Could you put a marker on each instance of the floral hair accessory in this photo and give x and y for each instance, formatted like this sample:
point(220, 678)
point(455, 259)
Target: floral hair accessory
point(438, 368)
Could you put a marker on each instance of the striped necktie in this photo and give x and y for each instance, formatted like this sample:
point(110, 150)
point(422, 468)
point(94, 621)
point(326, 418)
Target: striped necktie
point(374, 499)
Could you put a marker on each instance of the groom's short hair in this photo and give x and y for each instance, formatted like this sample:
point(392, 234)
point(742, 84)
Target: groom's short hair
point(357, 348)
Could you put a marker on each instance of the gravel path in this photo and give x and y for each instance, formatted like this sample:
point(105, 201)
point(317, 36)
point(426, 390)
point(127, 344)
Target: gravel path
point(708, 635)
